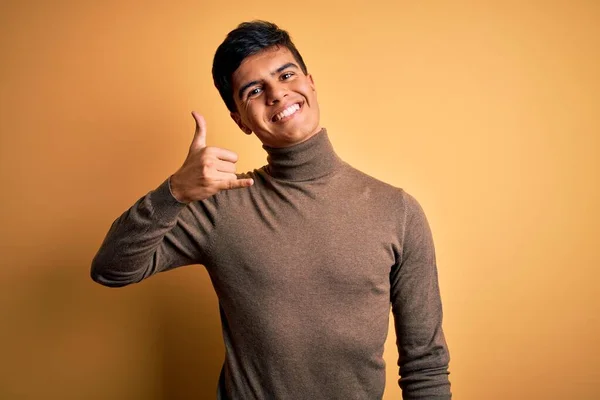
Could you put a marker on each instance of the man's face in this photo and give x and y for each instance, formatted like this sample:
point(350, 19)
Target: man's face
point(274, 98)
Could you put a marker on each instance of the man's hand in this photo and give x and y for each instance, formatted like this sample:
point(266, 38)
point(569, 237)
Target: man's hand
point(206, 170)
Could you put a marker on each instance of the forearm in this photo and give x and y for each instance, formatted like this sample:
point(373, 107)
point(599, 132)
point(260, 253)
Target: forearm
point(141, 242)
point(424, 355)
point(424, 371)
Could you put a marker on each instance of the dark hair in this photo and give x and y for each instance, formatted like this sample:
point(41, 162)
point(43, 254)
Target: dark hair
point(247, 39)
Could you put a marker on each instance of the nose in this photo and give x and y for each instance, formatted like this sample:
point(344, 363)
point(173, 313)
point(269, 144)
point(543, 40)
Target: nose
point(275, 93)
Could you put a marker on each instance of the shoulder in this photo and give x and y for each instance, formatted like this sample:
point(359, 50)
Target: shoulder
point(396, 196)
point(374, 184)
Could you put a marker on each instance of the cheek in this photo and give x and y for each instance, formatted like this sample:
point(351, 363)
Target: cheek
point(246, 114)
point(254, 113)
point(307, 90)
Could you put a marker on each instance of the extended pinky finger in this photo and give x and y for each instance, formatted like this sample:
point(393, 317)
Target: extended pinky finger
point(236, 183)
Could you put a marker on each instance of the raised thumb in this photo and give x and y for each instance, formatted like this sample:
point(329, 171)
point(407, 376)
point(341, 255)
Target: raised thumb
point(199, 140)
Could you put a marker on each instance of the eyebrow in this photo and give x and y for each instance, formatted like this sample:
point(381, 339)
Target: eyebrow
point(277, 71)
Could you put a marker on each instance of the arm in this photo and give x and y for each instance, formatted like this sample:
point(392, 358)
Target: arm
point(160, 232)
point(156, 234)
point(417, 310)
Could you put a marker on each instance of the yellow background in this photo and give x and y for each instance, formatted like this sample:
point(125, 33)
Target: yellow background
point(487, 112)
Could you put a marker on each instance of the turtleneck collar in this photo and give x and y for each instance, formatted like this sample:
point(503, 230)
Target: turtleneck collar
point(309, 160)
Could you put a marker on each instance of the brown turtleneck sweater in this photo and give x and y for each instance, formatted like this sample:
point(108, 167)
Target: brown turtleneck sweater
point(305, 263)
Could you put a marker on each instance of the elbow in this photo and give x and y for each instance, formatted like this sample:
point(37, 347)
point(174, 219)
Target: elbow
point(108, 276)
point(106, 281)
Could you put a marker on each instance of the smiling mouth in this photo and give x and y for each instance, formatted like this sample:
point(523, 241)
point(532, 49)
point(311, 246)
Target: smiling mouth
point(287, 113)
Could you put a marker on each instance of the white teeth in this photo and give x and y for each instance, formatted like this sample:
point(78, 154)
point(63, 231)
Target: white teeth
point(287, 112)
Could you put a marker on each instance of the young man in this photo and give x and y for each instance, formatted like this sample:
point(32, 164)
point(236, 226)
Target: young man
point(305, 255)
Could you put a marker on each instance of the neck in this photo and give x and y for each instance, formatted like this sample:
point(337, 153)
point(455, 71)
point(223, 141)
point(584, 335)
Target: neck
point(309, 160)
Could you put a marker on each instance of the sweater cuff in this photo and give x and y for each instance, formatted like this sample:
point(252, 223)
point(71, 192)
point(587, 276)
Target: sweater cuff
point(171, 191)
point(164, 204)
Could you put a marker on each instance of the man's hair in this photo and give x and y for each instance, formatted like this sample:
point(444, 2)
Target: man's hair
point(247, 39)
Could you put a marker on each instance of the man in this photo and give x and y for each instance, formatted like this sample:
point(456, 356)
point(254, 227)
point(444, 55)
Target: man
point(306, 254)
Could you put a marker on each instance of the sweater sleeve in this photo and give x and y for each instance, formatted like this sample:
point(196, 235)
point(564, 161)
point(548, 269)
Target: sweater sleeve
point(417, 310)
point(156, 234)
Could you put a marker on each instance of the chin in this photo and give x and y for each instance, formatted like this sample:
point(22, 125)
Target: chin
point(300, 129)
point(301, 136)
point(288, 134)
point(298, 132)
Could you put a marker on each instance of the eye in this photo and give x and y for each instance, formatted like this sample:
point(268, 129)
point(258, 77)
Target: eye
point(286, 75)
point(254, 92)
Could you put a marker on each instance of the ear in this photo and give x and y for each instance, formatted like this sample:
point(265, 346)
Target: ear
point(238, 120)
point(312, 82)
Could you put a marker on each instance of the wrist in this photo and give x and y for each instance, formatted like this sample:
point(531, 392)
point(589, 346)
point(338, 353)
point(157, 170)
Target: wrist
point(175, 189)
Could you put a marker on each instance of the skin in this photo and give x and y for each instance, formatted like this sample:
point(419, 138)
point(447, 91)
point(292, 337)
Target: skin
point(269, 82)
point(206, 171)
point(264, 85)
